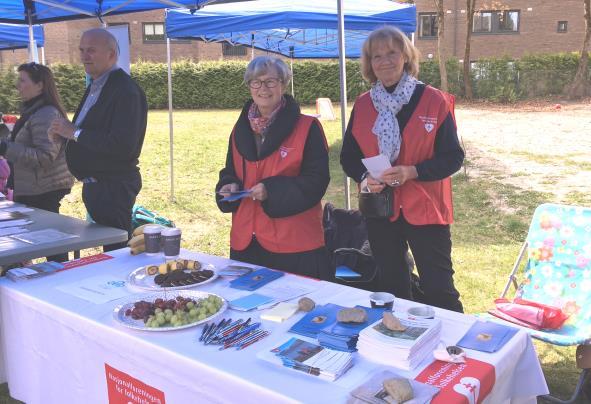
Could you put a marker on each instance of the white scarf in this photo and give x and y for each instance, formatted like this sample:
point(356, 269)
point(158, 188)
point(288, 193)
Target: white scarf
point(388, 105)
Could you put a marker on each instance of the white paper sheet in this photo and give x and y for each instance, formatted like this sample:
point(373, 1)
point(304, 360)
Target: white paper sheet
point(99, 289)
point(13, 223)
point(376, 165)
point(12, 230)
point(19, 209)
point(43, 236)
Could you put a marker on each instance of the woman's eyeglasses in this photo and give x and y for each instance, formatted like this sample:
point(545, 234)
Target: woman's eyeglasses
point(269, 83)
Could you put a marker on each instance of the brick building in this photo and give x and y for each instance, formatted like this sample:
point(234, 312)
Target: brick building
point(502, 27)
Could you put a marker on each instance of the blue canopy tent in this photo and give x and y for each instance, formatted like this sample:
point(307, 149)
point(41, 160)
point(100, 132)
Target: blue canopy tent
point(15, 36)
point(42, 11)
point(294, 28)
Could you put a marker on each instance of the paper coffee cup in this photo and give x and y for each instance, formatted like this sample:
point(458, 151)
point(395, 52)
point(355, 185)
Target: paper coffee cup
point(152, 239)
point(382, 300)
point(171, 240)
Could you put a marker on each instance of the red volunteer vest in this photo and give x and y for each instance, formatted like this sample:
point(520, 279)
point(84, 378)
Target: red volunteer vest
point(297, 233)
point(423, 202)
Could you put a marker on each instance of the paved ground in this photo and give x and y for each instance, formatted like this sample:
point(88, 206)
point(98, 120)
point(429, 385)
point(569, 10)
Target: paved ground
point(538, 146)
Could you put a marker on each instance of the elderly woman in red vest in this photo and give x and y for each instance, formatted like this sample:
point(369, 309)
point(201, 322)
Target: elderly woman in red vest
point(413, 125)
point(281, 157)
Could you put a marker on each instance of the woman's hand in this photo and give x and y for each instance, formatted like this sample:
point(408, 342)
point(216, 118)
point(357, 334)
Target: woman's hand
point(371, 184)
point(226, 189)
point(259, 192)
point(398, 175)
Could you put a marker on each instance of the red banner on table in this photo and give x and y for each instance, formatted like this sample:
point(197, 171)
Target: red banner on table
point(124, 389)
point(462, 383)
point(80, 262)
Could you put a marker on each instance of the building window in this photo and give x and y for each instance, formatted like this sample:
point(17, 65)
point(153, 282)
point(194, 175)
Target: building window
point(428, 25)
point(153, 32)
point(115, 24)
point(489, 22)
point(562, 26)
point(233, 50)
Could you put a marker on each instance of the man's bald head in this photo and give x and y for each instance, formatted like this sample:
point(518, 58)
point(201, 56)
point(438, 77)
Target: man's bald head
point(98, 51)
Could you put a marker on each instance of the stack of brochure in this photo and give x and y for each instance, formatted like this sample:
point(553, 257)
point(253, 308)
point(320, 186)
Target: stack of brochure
point(33, 271)
point(317, 319)
point(309, 358)
point(344, 336)
point(401, 349)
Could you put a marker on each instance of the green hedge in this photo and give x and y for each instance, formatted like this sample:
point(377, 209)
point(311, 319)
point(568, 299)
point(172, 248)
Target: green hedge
point(219, 84)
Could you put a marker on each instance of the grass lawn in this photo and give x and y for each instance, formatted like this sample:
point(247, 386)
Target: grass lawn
point(486, 238)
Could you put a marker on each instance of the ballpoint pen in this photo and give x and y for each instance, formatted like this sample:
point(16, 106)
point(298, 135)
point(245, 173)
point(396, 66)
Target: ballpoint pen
point(252, 341)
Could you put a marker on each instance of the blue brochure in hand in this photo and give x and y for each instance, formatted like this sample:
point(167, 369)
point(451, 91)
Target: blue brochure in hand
point(313, 322)
point(234, 196)
point(487, 336)
point(255, 279)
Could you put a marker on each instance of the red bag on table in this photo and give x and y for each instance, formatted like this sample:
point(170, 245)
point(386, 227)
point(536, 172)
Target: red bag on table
point(530, 314)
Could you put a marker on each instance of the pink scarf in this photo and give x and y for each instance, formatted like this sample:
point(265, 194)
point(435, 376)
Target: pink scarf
point(258, 123)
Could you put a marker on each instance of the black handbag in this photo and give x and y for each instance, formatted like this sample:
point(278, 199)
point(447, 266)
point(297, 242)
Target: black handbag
point(377, 205)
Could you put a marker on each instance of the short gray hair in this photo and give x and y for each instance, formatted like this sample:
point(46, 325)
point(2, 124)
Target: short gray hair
point(106, 36)
point(263, 64)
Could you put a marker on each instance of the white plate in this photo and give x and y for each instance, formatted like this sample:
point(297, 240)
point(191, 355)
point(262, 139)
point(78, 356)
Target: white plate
point(121, 318)
point(140, 279)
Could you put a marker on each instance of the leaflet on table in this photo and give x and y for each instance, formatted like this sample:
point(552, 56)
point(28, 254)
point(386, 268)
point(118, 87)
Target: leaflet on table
point(250, 302)
point(7, 216)
point(14, 223)
point(18, 209)
point(255, 279)
point(413, 336)
point(99, 289)
point(274, 292)
point(487, 336)
point(309, 358)
point(314, 321)
point(376, 165)
point(9, 231)
point(8, 243)
point(33, 271)
point(44, 236)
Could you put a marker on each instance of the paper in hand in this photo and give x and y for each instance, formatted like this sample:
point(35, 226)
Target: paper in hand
point(376, 165)
point(234, 196)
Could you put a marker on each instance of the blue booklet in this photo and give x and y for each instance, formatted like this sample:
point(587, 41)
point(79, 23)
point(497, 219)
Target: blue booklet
point(344, 336)
point(234, 196)
point(250, 302)
point(313, 322)
point(487, 336)
point(255, 279)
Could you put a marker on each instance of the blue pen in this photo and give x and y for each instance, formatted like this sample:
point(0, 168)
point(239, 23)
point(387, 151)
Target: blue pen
point(218, 333)
point(239, 333)
point(205, 330)
point(249, 338)
point(214, 330)
point(253, 340)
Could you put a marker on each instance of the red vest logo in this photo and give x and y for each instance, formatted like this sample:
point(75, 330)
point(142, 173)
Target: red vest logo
point(283, 151)
point(465, 383)
point(124, 389)
point(429, 122)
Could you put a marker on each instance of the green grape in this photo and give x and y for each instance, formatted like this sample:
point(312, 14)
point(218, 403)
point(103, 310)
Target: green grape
point(168, 311)
point(201, 317)
point(193, 313)
point(190, 305)
point(160, 320)
point(158, 310)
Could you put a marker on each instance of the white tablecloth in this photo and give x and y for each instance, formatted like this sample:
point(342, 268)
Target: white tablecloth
point(56, 345)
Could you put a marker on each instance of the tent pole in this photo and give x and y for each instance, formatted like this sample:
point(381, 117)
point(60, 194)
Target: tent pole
point(252, 46)
point(170, 125)
point(43, 55)
point(291, 52)
point(31, 36)
point(343, 80)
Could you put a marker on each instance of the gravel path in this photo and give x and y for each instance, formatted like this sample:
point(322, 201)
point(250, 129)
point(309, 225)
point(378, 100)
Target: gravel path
point(544, 148)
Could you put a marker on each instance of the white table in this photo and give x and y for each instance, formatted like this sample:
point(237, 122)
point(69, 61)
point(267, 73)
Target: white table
point(56, 346)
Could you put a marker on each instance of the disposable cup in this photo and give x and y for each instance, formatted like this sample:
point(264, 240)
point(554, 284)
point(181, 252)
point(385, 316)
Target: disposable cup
point(171, 241)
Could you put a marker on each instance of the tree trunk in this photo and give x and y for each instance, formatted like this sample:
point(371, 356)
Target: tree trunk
point(580, 85)
point(470, 4)
point(441, 43)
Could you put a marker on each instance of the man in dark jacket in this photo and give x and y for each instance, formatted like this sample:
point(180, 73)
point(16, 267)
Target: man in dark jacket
point(106, 137)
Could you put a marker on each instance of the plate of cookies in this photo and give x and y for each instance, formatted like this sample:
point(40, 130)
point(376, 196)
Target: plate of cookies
point(173, 275)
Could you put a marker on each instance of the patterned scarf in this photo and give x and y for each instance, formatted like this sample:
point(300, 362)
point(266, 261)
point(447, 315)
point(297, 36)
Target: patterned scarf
point(388, 105)
point(258, 123)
